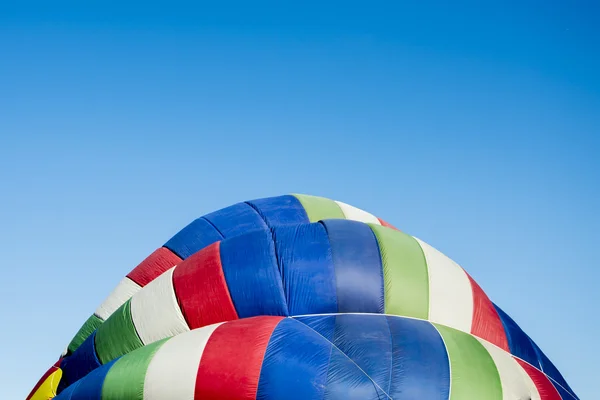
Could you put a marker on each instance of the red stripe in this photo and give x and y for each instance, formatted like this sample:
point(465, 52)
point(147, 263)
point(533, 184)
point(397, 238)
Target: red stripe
point(542, 383)
point(201, 288)
point(486, 321)
point(50, 371)
point(232, 360)
point(384, 223)
point(155, 264)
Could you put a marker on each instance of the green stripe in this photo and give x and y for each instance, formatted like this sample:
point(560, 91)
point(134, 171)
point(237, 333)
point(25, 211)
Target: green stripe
point(474, 373)
point(320, 208)
point(84, 332)
point(117, 336)
point(406, 281)
point(125, 380)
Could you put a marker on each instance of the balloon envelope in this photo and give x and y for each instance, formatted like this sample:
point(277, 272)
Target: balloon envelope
point(264, 261)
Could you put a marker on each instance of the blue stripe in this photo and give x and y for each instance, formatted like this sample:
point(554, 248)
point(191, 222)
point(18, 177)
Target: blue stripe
point(518, 341)
point(346, 381)
point(90, 387)
point(194, 237)
point(67, 394)
point(358, 268)
point(420, 366)
point(550, 369)
point(324, 325)
point(307, 268)
point(281, 210)
point(80, 363)
point(295, 364)
point(236, 220)
point(366, 340)
point(250, 269)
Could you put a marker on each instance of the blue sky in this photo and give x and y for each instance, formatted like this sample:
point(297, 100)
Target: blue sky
point(474, 128)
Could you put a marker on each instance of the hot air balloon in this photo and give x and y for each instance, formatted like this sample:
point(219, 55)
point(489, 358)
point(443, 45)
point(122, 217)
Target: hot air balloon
point(300, 297)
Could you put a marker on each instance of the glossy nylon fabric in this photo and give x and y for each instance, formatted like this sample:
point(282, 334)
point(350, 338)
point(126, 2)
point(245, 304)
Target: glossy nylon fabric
point(80, 363)
point(228, 222)
point(474, 373)
point(404, 358)
point(289, 270)
point(306, 268)
point(341, 356)
point(405, 273)
point(357, 263)
point(271, 212)
point(236, 220)
point(523, 347)
point(202, 232)
point(250, 269)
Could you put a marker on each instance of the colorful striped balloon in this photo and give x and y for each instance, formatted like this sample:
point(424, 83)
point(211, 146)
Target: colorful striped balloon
point(333, 356)
point(300, 256)
point(229, 222)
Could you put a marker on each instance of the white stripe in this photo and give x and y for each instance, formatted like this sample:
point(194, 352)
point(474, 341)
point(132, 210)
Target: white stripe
point(450, 292)
point(356, 214)
point(155, 311)
point(173, 369)
point(123, 292)
point(516, 383)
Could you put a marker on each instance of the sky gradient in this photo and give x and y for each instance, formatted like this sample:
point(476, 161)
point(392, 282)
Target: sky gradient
point(476, 129)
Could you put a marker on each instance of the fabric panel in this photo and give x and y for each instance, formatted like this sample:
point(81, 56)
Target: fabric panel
point(155, 312)
point(236, 220)
point(252, 275)
point(80, 363)
point(295, 363)
point(546, 390)
point(516, 383)
point(450, 294)
point(67, 394)
point(125, 380)
point(84, 332)
point(324, 325)
point(420, 367)
point(201, 289)
point(406, 280)
point(474, 373)
point(120, 294)
point(346, 381)
point(194, 237)
point(356, 214)
point(281, 210)
point(549, 369)
point(366, 340)
point(46, 385)
point(486, 321)
point(117, 336)
point(173, 369)
point(90, 387)
point(320, 208)
point(155, 264)
point(307, 269)
point(518, 341)
point(357, 264)
point(231, 362)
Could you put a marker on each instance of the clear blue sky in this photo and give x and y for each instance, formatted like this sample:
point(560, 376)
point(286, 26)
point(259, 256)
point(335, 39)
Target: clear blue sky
point(474, 128)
